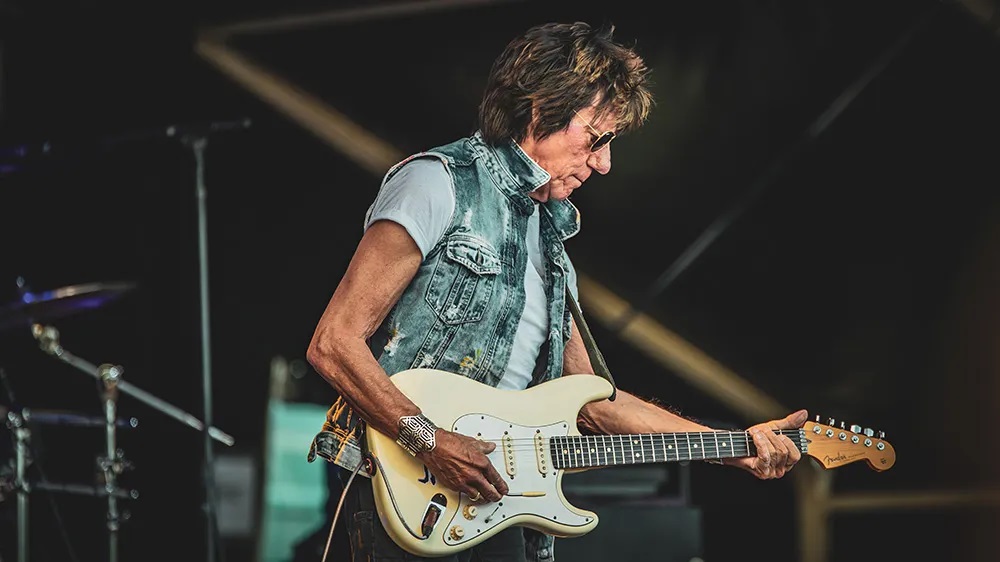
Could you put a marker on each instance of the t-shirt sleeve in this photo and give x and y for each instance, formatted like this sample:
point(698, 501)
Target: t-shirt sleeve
point(419, 197)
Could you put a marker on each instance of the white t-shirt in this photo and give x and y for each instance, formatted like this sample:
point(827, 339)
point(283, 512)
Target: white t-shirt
point(419, 197)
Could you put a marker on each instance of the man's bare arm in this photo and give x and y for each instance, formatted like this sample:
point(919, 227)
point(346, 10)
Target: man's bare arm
point(383, 265)
point(776, 454)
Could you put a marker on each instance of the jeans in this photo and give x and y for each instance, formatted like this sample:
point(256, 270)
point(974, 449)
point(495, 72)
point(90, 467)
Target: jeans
point(369, 541)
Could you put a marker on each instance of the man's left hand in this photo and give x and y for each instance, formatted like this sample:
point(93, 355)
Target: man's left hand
point(776, 453)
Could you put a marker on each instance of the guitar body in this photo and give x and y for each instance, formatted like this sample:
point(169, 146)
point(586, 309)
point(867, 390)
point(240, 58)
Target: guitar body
point(428, 519)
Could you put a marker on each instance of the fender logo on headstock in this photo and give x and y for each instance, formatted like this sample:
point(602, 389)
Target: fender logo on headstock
point(841, 457)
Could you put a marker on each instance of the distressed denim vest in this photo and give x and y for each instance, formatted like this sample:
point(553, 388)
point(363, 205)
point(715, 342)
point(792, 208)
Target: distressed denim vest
point(462, 308)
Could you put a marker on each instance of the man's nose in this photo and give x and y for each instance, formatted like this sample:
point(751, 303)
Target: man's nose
point(600, 161)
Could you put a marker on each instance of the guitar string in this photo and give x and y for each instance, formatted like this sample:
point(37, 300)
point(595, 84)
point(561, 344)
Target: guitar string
point(644, 437)
point(630, 448)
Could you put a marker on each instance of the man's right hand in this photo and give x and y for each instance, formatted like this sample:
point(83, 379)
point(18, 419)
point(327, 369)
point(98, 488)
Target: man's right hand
point(460, 463)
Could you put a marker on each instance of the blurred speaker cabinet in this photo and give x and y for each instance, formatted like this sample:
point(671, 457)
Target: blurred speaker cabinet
point(644, 512)
point(660, 531)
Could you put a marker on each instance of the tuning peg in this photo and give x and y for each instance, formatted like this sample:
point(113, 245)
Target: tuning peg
point(881, 435)
point(830, 421)
point(855, 428)
point(868, 431)
point(842, 425)
point(817, 418)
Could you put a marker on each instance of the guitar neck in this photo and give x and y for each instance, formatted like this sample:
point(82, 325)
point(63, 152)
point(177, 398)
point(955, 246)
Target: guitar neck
point(595, 451)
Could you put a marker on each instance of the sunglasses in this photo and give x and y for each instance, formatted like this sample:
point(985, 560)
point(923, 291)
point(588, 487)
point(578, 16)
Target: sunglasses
point(602, 138)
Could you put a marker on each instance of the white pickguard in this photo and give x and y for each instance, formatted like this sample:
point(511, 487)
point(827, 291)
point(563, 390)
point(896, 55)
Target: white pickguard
point(406, 493)
point(532, 494)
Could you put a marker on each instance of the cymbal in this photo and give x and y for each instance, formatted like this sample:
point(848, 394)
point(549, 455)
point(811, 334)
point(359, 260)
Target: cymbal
point(61, 302)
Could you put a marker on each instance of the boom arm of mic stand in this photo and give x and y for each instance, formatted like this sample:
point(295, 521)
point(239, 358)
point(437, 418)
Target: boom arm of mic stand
point(49, 340)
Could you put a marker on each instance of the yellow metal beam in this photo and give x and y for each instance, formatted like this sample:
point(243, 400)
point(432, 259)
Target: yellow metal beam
point(288, 22)
point(311, 113)
point(914, 499)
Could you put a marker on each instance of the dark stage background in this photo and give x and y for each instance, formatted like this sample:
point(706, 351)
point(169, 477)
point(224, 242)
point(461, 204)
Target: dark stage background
point(860, 283)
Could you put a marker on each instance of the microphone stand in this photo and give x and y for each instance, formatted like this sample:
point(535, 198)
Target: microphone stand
point(196, 137)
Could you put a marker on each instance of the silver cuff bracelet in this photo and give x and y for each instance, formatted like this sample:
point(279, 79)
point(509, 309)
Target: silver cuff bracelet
point(416, 434)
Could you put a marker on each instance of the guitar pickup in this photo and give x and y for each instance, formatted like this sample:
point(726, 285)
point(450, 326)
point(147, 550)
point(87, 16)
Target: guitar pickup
point(508, 454)
point(543, 465)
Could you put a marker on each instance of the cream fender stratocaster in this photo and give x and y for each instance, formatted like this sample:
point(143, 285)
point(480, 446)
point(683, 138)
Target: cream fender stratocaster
point(537, 442)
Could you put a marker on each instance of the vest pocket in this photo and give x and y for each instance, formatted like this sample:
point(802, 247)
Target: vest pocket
point(462, 284)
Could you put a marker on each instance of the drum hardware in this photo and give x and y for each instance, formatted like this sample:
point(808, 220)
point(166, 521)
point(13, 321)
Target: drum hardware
point(48, 338)
point(31, 310)
point(19, 421)
point(195, 137)
point(111, 377)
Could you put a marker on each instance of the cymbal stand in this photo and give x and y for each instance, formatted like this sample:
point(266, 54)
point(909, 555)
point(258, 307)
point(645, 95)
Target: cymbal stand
point(22, 450)
point(20, 420)
point(48, 338)
point(110, 376)
point(112, 464)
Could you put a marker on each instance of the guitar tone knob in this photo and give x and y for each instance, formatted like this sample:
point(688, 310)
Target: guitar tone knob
point(469, 512)
point(456, 532)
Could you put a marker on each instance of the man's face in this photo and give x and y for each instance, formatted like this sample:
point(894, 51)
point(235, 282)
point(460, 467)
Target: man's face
point(567, 156)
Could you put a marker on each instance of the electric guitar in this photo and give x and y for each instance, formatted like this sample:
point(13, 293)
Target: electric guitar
point(537, 442)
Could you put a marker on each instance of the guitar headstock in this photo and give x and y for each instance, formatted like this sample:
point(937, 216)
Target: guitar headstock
point(836, 446)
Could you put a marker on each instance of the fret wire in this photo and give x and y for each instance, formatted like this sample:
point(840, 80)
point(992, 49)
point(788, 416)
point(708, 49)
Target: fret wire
point(589, 449)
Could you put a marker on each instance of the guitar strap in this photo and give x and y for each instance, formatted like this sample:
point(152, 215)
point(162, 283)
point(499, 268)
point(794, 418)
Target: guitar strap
point(596, 359)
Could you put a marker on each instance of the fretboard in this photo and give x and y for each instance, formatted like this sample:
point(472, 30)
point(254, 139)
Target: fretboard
point(592, 451)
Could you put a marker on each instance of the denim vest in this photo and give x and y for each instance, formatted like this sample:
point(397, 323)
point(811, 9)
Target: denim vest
point(462, 308)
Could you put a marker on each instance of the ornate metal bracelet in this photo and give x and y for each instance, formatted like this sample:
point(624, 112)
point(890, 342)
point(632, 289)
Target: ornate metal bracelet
point(416, 434)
